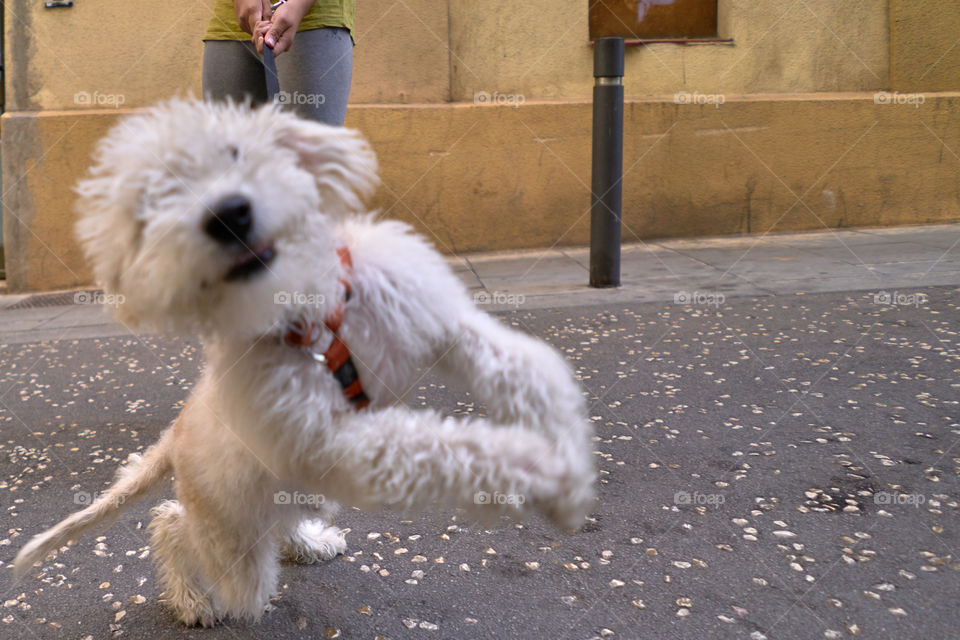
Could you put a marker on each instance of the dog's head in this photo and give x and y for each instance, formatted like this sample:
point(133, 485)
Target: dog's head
point(196, 215)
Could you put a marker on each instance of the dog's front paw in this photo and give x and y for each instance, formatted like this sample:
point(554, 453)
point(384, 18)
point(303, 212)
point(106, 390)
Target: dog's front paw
point(564, 497)
point(569, 507)
point(550, 483)
point(312, 541)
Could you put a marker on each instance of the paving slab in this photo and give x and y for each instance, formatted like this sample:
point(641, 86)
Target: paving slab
point(878, 253)
point(83, 315)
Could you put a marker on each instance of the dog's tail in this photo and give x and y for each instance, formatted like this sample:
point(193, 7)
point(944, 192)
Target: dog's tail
point(133, 480)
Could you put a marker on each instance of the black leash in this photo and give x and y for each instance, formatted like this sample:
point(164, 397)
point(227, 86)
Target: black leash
point(270, 66)
point(270, 63)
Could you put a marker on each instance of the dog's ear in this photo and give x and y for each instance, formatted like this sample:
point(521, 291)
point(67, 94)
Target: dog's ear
point(108, 236)
point(106, 227)
point(342, 161)
point(108, 197)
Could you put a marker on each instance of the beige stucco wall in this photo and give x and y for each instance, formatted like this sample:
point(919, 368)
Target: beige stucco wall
point(128, 53)
point(434, 51)
point(401, 54)
point(799, 118)
point(485, 177)
point(139, 52)
point(925, 39)
point(540, 50)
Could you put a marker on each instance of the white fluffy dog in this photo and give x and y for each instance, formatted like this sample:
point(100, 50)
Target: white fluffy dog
point(245, 227)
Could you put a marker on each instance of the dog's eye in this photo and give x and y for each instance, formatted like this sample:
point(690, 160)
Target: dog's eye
point(233, 151)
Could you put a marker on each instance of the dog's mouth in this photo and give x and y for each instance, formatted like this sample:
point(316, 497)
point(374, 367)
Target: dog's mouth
point(252, 261)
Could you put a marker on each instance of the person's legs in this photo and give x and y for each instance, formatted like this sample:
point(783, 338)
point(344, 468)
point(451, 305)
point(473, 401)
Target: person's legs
point(315, 74)
point(233, 69)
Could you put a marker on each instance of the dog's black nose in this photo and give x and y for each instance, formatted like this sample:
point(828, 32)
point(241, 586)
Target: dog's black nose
point(231, 221)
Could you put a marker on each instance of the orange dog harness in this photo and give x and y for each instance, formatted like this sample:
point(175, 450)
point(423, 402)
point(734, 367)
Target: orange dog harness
point(304, 333)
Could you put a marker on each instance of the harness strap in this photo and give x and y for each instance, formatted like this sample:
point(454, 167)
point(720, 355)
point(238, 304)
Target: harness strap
point(303, 333)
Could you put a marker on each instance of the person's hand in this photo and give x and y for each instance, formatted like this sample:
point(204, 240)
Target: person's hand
point(250, 12)
point(278, 32)
point(259, 32)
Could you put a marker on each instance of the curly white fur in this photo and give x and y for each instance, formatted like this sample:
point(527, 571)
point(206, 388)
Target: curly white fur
point(264, 418)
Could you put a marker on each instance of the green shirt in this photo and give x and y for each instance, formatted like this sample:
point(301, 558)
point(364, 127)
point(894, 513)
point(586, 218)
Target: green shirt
point(324, 13)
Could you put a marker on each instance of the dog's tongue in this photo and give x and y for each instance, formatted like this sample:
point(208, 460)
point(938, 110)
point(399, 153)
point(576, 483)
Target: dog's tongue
point(252, 261)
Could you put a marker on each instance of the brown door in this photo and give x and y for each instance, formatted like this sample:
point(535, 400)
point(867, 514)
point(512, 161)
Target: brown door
point(683, 19)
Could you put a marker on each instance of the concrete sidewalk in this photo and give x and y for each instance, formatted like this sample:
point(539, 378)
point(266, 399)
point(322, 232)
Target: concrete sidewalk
point(688, 270)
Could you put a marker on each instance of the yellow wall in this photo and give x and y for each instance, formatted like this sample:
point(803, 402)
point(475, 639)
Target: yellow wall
point(143, 52)
point(401, 53)
point(432, 51)
point(137, 54)
point(540, 49)
point(924, 40)
point(799, 118)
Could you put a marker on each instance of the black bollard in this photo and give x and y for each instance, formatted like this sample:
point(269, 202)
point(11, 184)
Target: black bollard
point(606, 199)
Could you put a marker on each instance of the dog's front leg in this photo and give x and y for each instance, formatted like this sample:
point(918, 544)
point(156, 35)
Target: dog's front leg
point(523, 380)
point(407, 459)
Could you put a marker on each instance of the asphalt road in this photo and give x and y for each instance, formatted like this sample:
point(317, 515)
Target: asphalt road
point(772, 467)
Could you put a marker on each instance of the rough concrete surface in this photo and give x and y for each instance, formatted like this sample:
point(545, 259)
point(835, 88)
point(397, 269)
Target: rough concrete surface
point(773, 465)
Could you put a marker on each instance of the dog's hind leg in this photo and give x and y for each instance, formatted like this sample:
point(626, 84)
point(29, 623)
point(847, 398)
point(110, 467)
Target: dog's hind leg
point(235, 544)
point(216, 559)
point(184, 589)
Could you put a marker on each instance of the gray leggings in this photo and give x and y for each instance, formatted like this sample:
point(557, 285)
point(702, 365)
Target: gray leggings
point(314, 74)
